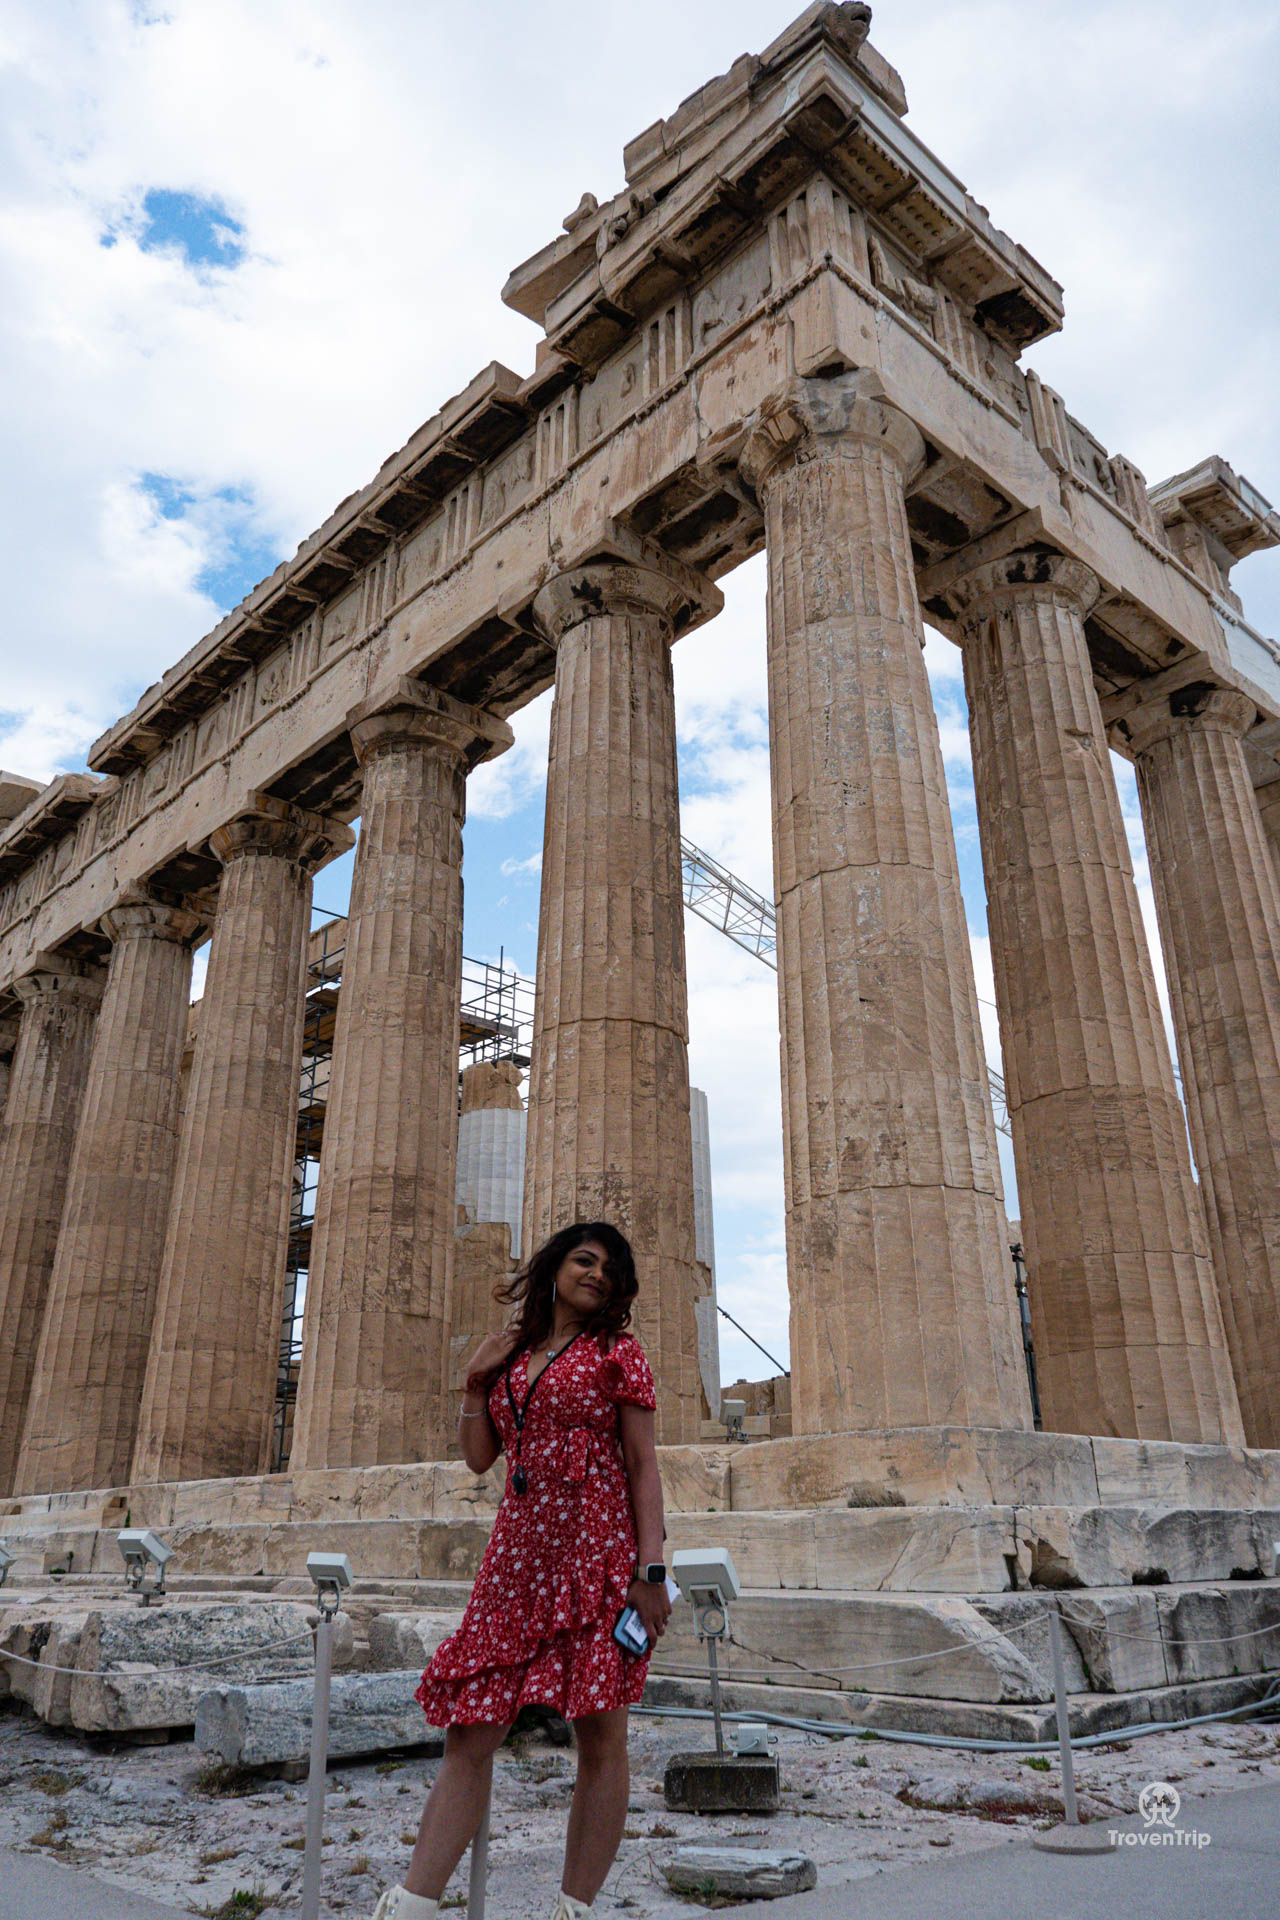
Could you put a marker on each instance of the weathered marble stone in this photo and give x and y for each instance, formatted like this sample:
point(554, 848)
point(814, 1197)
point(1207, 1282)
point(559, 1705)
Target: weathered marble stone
point(124, 1681)
point(399, 1641)
point(270, 1725)
point(743, 1873)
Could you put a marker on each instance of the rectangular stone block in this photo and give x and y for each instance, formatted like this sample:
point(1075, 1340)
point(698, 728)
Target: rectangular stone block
point(939, 1646)
point(916, 1466)
point(697, 1479)
point(915, 1549)
point(1165, 1472)
point(459, 1494)
point(137, 1668)
point(1147, 1546)
point(218, 1548)
point(1212, 1632)
point(1118, 1639)
point(271, 1725)
point(768, 1549)
point(399, 1641)
point(376, 1548)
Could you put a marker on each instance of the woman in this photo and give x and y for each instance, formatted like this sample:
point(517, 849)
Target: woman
point(567, 1392)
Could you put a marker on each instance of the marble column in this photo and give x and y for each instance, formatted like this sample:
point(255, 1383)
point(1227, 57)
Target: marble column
point(208, 1396)
point(608, 1129)
point(1127, 1328)
point(903, 1310)
point(59, 1001)
point(1218, 904)
point(83, 1407)
point(376, 1326)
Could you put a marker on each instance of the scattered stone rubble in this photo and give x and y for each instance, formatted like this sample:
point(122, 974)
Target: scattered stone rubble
point(161, 1819)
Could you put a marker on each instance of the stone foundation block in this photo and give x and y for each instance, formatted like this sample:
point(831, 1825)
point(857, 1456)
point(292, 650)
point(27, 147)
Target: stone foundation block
point(697, 1479)
point(916, 1466)
point(1166, 1473)
point(936, 1645)
point(1117, 1639)
point(1145, 1545)
point(126, 1680)
point(400, 1641)
point(1220, 1631)
point(263, 1726)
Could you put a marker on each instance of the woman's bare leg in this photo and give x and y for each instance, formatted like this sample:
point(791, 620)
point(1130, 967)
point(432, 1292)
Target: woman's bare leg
point(599, 1810)
point(453, 1808)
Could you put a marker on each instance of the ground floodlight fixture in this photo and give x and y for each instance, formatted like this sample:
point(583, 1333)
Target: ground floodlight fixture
point(7, 1558)
point(331, 1573)
point(711, 1581)
point(733, 1413)
point(141, 1551)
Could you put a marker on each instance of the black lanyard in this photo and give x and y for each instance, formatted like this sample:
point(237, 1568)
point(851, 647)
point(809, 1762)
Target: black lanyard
point(518, 1480)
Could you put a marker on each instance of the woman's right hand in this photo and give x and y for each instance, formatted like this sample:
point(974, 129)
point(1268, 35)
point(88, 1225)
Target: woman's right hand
point(493, 1349)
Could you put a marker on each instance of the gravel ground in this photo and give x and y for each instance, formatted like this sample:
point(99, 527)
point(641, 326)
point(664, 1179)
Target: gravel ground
point(152, 1819)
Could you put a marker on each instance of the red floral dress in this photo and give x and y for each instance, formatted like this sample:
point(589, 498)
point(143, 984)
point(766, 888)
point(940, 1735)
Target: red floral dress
point(538, 1628)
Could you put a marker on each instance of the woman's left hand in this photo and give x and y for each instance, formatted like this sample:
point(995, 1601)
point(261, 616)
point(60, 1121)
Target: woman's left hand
point(653, 1604)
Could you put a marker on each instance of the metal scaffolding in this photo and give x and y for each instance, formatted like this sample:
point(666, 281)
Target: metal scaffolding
point(730, 905)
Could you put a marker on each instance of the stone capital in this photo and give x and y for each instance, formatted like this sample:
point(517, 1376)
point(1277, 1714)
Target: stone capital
point(1193, 710)
point(53, 976)
point(613, 586)
point(271, 826)
point(138, 916)
point(830, 413)
point(411, 715)
point(1032, 574)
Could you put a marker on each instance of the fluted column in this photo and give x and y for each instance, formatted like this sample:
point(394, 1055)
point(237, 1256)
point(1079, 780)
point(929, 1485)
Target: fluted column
point(376, 1326)
point(37, 1131)
point(208, 1396)
point(83, 1407)
point(903, 1311)
point(608, 1131)
point(1128, 1333)
point(1218, 904)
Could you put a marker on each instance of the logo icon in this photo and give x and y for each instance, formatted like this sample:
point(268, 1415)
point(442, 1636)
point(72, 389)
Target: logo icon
point(1159, 1804)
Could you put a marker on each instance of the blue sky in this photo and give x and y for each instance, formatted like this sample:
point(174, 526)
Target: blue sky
point(245, 250)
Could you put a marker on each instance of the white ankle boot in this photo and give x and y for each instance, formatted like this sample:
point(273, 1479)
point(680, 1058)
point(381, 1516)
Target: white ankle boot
point(568, 1908)
point(398, 1904)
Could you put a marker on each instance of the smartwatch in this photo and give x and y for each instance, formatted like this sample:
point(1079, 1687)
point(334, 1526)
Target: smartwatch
point(654, 1575)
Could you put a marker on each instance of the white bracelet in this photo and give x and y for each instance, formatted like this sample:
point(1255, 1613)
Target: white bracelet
point(464, 1415)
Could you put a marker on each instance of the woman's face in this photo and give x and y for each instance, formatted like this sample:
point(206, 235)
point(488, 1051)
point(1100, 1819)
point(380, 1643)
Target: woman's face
point(582, 1280)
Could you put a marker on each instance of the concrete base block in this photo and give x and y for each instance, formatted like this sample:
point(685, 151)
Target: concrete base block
point(270, 1725)
point(721, 1783)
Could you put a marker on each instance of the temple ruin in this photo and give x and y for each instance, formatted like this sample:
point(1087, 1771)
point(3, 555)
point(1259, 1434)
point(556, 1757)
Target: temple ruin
point(793, 330)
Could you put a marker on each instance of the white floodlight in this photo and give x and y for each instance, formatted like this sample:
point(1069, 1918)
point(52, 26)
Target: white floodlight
point(331, 1573)
point(7, 1559)
point(733, 1413)
point(711, 1581)
point(141, 1550)
point(708, 1576)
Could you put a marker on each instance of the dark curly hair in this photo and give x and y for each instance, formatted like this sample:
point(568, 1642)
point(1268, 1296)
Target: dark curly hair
point(532, 1292)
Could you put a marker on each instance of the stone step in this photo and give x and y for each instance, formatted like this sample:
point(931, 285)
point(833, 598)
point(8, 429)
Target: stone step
point(912, 1549)
point(909, 1466)
point(988, 1647)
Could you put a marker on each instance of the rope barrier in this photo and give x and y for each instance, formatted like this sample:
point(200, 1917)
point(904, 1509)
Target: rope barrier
point(1159, 1640)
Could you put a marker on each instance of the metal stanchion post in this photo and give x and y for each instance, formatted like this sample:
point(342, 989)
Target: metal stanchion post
point(479, 1864)
point(1070, 1837)
point(715, 1691)
point(331, 1573)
